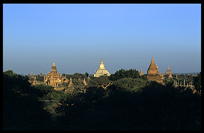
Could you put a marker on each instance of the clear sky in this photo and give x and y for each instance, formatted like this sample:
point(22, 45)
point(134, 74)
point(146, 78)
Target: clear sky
point(77, 36)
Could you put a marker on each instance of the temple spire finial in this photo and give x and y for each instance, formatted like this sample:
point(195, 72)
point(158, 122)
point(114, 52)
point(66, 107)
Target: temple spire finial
point(53, 63)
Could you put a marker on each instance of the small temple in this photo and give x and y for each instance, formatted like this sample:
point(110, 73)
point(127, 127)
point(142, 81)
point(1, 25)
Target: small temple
point(168, 71)
point(40, 74)
point(170, 76)
point(70, 86)
point(101, 70)
point(153, 73)
point(141, 73)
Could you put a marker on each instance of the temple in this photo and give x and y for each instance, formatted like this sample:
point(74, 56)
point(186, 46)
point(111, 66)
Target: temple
point(101, 70)
point(153, 73)
point(53, 78)
point(141, 73)
point(168, 71)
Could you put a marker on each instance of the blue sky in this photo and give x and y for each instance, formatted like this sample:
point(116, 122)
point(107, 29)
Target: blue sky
point(77, 36)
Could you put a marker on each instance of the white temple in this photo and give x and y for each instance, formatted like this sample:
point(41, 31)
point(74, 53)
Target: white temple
point(101, 70)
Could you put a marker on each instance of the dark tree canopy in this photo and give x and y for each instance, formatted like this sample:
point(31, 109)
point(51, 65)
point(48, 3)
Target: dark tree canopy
point(129, 103)
point(122, 73)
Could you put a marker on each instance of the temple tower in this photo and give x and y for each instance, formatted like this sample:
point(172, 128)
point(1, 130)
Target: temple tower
point(153, 73)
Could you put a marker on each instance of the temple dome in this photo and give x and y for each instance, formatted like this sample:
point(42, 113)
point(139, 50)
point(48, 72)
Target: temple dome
point(168, 71)
point(101, 66)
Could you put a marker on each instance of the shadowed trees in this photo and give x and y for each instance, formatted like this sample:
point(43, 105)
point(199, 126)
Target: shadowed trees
point(122, 73)
point(152, 107)
point(21, 107)
point(127, 104)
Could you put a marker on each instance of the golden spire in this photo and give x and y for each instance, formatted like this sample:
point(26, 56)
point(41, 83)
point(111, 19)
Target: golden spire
point(152, 62)
point(101, 66)
point(152, 65)
point(53, 63)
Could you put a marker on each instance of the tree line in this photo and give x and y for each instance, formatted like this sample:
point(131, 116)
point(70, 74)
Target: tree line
point(130, 102)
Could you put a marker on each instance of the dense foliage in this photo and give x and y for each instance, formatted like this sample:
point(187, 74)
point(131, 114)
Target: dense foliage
point(122, 73)
point(129, 103)
point(21, 107)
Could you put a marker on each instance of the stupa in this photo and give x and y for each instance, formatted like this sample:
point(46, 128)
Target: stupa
point(101, 70)
point(170, 76)
point(168, 71)
point(153, 73)
point(141, 73)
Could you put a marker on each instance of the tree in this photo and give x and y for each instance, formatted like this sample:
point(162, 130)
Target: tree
point(122, 73)
point(130, 84)
point(102, 80)
point(10, 73)
point(86, 74)
point(21, 106)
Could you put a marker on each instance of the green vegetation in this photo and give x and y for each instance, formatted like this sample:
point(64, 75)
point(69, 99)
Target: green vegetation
point(128, 102)
point(122, 73)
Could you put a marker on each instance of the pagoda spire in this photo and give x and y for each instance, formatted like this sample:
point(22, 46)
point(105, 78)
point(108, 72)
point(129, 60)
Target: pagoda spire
point(152, 68)
point(101, 66)
point(152, 62)
point(53, 63)
point(53, 69)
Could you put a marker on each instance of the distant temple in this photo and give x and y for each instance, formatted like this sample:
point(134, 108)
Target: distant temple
point(53, 78)
point(32, 75)
point(101, 70)
point(141, 73)
point(170, 76)
point(40, 74)
point(168, 71)
point(153, 73)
